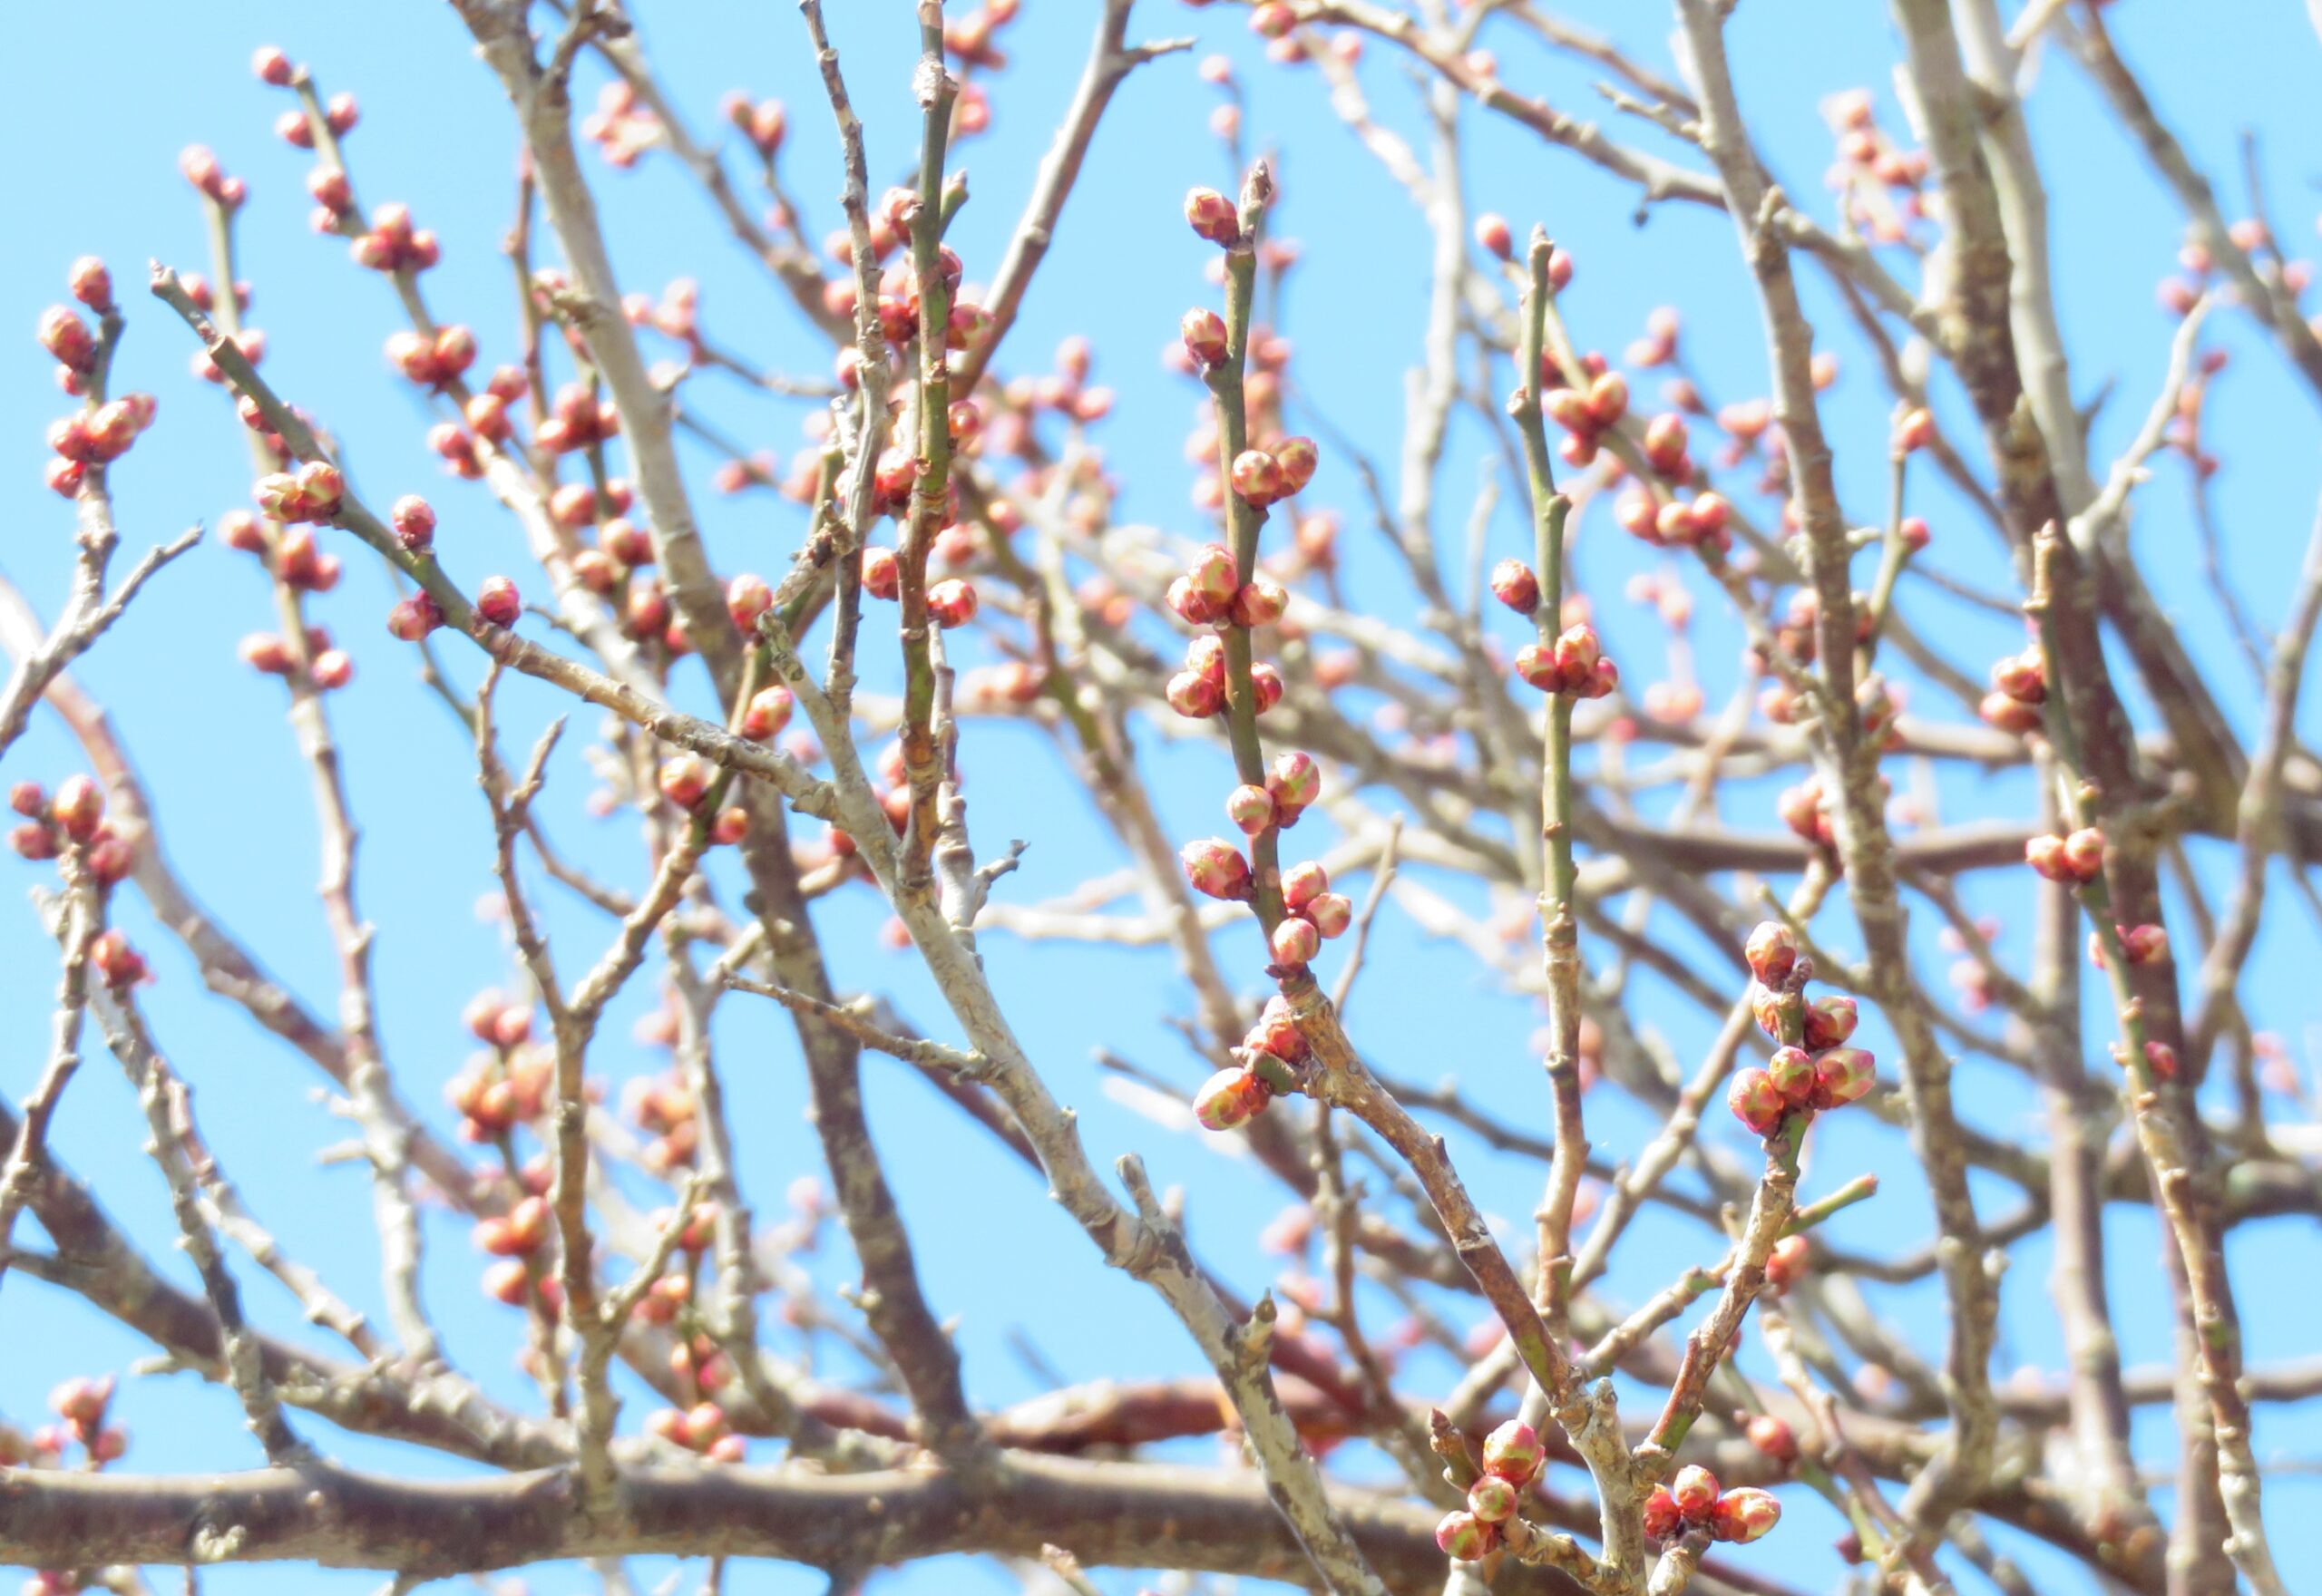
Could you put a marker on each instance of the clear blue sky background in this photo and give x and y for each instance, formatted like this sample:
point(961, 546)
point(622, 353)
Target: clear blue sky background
point(108, 95)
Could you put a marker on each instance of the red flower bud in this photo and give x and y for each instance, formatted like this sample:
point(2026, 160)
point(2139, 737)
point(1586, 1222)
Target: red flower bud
point(415, 618)
point(91, 283)
point(2084, 853)
point(78, 806)
point(881, 576)
point(1195, 696)
point(1494, 236)
point(2145, 944)
point(768, 714)
point(1296, 781)
point(1304, 882)
point(1299, 459)
point(1661, 1520)
point(685, 779)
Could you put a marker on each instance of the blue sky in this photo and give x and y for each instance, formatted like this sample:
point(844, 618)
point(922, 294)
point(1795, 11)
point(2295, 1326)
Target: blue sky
point(97, 134)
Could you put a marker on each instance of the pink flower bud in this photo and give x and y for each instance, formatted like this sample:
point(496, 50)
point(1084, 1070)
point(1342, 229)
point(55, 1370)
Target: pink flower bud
point(881, 576)
point(685, 779)
point(1744, 1514)
point(1915, 431)
point(2084, 854)
point(1786, 1264)
point(1299, 459)
point(951, 602)
point(1608, 399)
point(768, 714)
point(1829, 1021)
point(2145, 944)
point(1494, 236)
point(1229, 1099)
point(414, 520)
point(1791, 1070)
point(1773, 1437)
point(1304, 882)
point(1216, 869)
point(1537, 666)
point(1331, 913)
point(1492, 1500)
point(1265, 685)
point(1772, 952)
point(67, 338)
point(1211, 215)
point(1842, 1074)
point(498, 601)
point(1513, 1452)
point(321, 488)
point(1256, 477)
point(1514, 585)
point(415, 618)
point(1296, 781)
point(1205, 337)
point(1695, 1490)
point(1294, 942)
point(1195, 696)
point(1250, 808)
point(1464, 1538)
point(747, 596)
point(1260, 602)
point(1756, 1101)
point(91, 283)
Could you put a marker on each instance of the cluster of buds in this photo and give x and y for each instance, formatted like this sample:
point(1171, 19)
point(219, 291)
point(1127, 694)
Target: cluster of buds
point(2144, 944)
point(1264, 476)
point(1805, 809)
point(74, 817)
point(414, 618)
point(664, 1107)
point(1271, 1050)
point(1211, 593)
point(622, 127)
point(578, 420)
point(201, 167)
point(313, 492)
point(1692, 1500)
point(1879, 180)
point(1703, 521)
point(1512, 1459)
point(508, 1087)
point(518, 1282)
point(763, 122)
point(435, 362)
point(1575, 665)
point(393, 245)
point(1312, 913)
point(701, 1428)
point(1818, 1071)
point(1588, 414)
point(2019, 687)
point(95, 436)
point(2076, 858)
point(1198, 691)
point(328, 668)
point(1293, 784)
point(520, 1232)
point(80, 1404)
